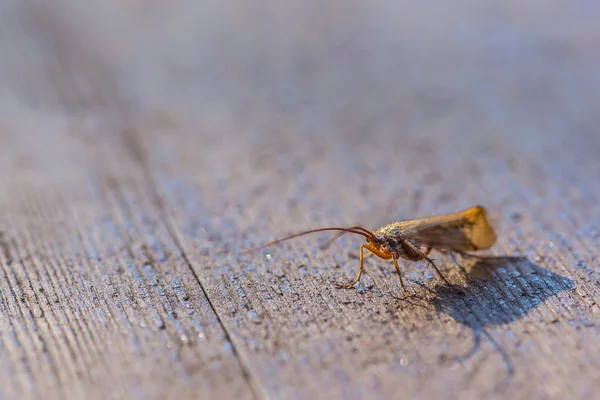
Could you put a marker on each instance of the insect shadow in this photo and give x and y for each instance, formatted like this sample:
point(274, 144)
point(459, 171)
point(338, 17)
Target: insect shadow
point(497, 291)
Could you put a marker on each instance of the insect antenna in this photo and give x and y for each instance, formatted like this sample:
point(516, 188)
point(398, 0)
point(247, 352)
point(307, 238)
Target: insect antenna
point(336, 237)
point(355, 230)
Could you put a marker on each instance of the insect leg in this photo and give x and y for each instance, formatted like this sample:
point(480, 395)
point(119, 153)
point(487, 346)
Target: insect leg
point(430, 261)
point(427, 251)
point(360, 271)
point(399, 274)
point(438, 271)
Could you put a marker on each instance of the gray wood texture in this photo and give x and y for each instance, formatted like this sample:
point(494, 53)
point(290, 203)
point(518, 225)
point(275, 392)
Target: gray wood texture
point(144, 145)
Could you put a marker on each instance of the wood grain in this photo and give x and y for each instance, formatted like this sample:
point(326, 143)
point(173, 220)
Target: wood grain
point(132, 173)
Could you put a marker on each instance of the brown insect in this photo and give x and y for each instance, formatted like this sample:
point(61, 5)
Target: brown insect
point(463, 231)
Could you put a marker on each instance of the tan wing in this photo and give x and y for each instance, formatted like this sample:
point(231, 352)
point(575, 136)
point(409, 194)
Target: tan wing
point(463, 231)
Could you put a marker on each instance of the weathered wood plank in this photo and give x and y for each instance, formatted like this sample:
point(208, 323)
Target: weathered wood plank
point(138, 159)
point(98, 300)
point(526, 325)
point(515, 332)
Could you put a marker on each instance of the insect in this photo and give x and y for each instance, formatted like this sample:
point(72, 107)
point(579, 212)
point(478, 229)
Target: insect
point(413, 240)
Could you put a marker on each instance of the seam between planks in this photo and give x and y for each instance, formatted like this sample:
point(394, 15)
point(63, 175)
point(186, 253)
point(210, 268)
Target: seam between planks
point(137, 153)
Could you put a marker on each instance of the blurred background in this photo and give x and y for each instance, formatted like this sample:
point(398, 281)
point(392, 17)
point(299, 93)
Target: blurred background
point(318, 61)
point(330, 111)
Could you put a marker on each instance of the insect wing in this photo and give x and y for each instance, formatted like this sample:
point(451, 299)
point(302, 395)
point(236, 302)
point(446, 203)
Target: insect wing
point(467, 230)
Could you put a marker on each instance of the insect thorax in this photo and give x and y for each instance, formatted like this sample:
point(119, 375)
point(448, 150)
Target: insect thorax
point(392, 241)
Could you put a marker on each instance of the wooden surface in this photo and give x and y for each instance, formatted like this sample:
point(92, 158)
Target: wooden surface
point(142, 146)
